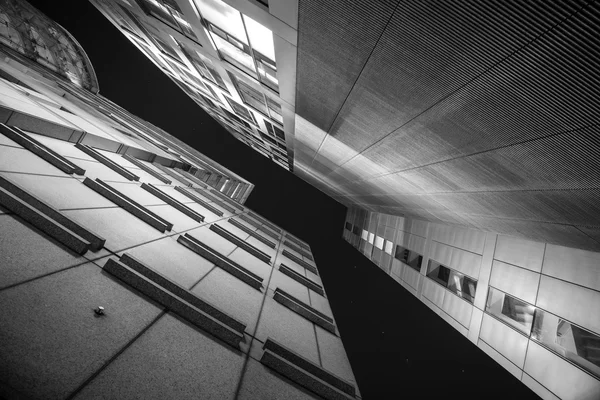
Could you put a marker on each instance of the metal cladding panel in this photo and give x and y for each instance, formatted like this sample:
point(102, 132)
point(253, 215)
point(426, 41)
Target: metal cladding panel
point(335, 39)
point(428, 51)
point(475, 114)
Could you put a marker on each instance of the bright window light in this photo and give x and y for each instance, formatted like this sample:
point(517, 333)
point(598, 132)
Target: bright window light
point(261, 38)
point(224, 16)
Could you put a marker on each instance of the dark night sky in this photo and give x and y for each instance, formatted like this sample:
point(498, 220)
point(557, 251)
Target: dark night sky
point(397, 346)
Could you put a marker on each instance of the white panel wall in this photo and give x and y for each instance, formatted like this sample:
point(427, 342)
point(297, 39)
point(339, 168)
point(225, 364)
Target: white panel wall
point(523, 253)
point(559, 376)
point(504, 340)
point(434, 292)
point(573, 265)
point(517, 282)
point(463, 261)
point(411, 277)
point(458, 309)
point(500, 359)
point(572, 302)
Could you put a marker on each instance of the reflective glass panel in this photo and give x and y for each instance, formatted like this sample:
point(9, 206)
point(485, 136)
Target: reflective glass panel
point(261, 38)
point(514, 312)
point(576, 344)
point(224, 16)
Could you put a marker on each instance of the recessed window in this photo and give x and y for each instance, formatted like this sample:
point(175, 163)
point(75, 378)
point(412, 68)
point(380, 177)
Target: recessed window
point(459, 284)
point(274, 130)
point(576, 344)
point(241, 111)
point(241, 41)
point(378, 242)
point(157, 10)
point(409, 257)
point(513, 311)
point(364, 235)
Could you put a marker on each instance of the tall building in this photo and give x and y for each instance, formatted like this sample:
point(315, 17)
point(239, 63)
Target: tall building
point(131, 267)
point(533, 307)
point(468, 114)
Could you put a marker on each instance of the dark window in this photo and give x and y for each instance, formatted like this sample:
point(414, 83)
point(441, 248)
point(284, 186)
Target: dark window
point(459, 284)
point(241, 111)
point(409, 257)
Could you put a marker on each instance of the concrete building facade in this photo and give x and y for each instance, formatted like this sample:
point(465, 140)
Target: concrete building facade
point(533, 307)
point(131, 267)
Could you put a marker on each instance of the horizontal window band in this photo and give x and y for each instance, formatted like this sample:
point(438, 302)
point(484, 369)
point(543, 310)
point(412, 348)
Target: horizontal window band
point(221, 261)
point(259, 226)
point(147, 169)
point(176, 204)
point(214, 200)
point(298, 242)
point(174, 175)
point(128, 204)
point(42, 222)
point(304, 310)
point(224, 233)
point(265, 222)
point(300, 261)
point(107, 162)
point(17, 135)
point(308, 374)
point(301, 279)
point(251, 233)
point(198, 200)
point(173, 302)
point(182, 293)
point(29, 207)
point(226, 199)
point(298, 250)
point(195, 180)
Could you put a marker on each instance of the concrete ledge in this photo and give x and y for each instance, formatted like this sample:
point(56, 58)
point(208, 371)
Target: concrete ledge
point(299, 250)
point(300, 261)
point(221, 261)
point(301, 279)
point(305, 373)
point(224, 233)
point(107, 162)
point(35, 207)
point(199, 201)
point(178, 177)
point(173, 203)
point(146, 168)
point(219, 202)
point(42, 222)
point(173, 302)
point(259, 227)
point(304, 310)
point(251, 232)
point(181, 292)
point(128, 204)
point(40, 150)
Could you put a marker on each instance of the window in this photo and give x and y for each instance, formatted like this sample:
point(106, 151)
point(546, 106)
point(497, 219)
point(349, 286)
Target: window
point(274, 130)
point(241, 41)
point(166, 49)
point(158, 10)
point(379, 242)
point(364, 235)
point(512, 311)
point(459, 284)
point(409, 257)
point(241, 111)
point(576, 344)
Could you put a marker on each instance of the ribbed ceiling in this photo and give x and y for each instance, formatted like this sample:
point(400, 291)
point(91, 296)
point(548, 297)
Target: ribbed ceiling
point(472, 113)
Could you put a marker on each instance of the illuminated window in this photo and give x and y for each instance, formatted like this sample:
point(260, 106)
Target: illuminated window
point(241, 41)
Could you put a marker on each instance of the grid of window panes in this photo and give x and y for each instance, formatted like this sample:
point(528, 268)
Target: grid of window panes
point(168, 11)
point(577, 345)
point(409, 257)
point(257, 100)
point(241, 41)
point(459, 284)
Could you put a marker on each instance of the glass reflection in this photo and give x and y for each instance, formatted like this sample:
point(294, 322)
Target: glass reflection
point(514, 312)
point(576, 344)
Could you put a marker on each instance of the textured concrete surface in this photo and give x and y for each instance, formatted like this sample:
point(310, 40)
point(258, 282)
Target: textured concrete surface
point(171, 360)
point(52, 340)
